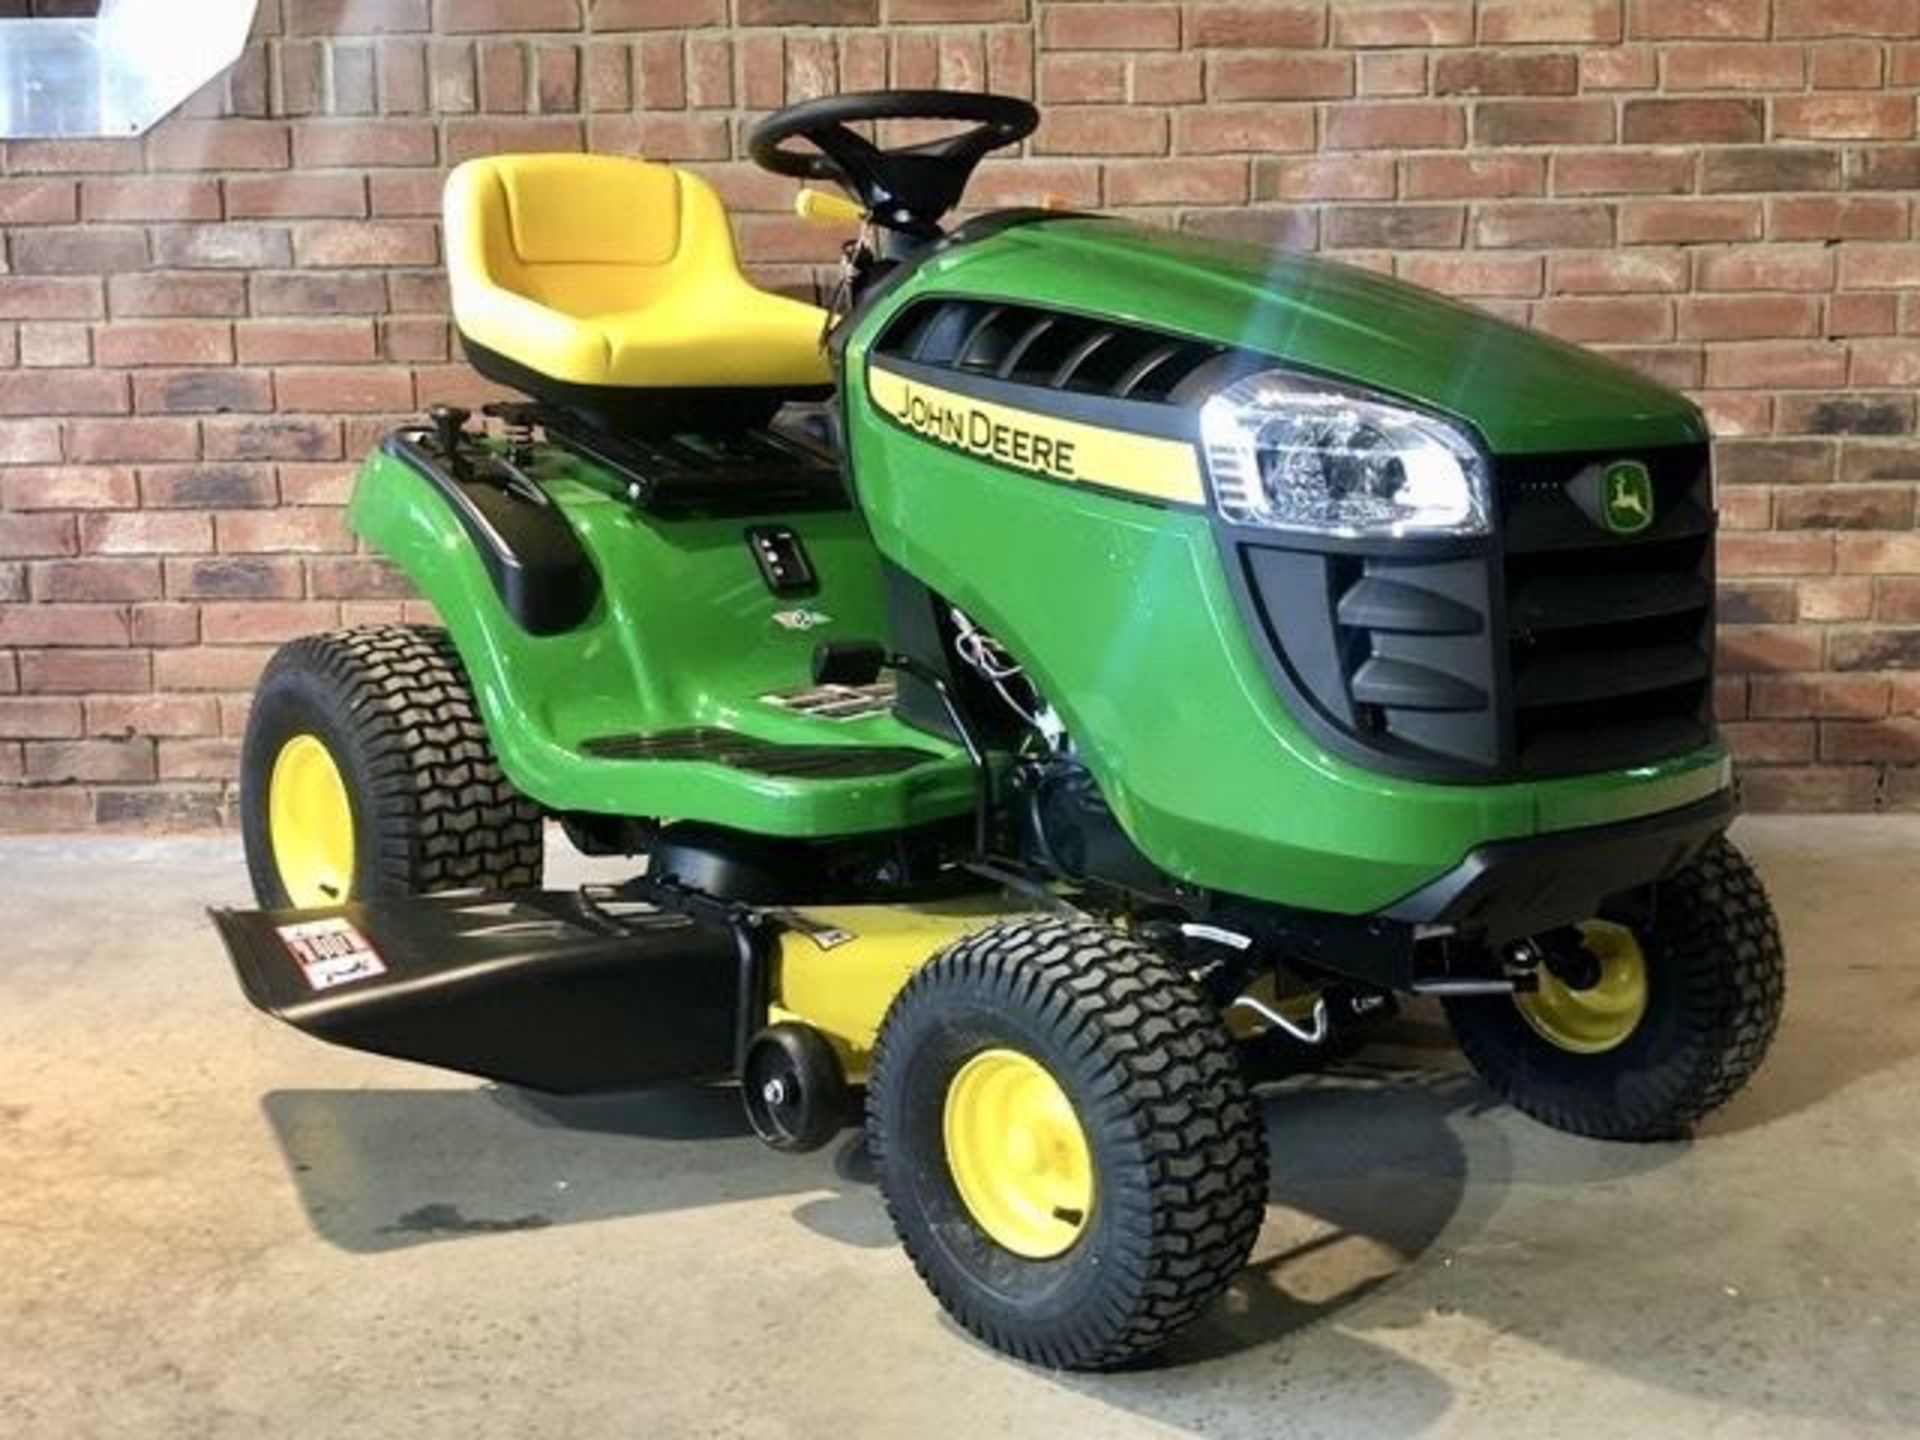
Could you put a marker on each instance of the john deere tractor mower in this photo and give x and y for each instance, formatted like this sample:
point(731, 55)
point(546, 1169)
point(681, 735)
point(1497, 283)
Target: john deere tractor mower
point(1073, 654)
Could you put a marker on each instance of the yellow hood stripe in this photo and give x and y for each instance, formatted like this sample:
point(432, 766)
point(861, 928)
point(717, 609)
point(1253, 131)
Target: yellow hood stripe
point(1044, 445)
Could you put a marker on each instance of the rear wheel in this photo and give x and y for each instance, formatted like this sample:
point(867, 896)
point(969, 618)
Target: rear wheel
point(366, 771)
point(1666, 1016)
point(1065, 1142)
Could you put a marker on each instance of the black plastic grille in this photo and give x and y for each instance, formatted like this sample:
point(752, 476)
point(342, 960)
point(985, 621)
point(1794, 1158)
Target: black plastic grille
point(1027, 345)
point(1561, 648)
point(1610, 636)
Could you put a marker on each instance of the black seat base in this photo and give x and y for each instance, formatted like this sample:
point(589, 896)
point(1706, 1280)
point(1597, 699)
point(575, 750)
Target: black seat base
point(629, 410)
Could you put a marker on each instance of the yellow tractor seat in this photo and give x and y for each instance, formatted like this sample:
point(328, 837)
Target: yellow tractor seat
point(595, 280)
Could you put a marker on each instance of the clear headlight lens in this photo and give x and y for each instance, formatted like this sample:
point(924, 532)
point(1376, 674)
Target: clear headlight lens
point(1291, 452)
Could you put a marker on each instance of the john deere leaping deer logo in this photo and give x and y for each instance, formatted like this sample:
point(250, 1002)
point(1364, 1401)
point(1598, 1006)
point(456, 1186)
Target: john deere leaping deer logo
point(1628, 497)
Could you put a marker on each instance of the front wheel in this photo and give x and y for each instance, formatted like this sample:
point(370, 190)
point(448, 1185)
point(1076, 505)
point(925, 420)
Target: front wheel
point(1672, 1010)
point(1065, 1142)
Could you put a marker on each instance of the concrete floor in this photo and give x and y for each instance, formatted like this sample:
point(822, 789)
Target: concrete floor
point(213, 1227)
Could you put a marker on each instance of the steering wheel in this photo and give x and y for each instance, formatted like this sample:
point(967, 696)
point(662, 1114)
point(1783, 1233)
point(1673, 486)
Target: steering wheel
point(905, 189)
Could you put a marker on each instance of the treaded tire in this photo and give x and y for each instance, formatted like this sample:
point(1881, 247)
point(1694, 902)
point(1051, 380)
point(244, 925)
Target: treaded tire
point(1178, 1147)
point(1715, 987)
point(431, 808)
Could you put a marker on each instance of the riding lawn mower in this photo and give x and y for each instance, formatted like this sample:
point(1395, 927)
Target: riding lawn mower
point(1075, 660)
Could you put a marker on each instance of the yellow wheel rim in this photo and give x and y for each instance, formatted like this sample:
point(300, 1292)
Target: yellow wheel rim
point(310, 824)
point(1590, 1021)
point(1018, 1155)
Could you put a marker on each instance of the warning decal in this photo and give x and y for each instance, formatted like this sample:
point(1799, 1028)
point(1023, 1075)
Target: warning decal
point(330, 953)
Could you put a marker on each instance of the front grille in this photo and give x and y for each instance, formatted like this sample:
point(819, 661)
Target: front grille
point(1610, 636)
point(1051, 349)
point(1556, 649)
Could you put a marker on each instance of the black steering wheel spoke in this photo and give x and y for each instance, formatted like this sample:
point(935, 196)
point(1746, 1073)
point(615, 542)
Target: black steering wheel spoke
point(906, 187)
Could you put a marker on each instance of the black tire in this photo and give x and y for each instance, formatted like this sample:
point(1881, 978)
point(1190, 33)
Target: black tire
point(1178, 1148)
point(431, 808)
point(1715, 987)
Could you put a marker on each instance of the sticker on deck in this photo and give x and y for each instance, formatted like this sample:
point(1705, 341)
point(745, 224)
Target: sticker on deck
point(331, 952)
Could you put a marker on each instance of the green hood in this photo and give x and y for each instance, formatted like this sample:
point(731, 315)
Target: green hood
point(1523, 391)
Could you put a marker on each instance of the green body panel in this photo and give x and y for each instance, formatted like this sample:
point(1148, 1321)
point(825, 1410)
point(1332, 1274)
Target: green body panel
point(683, 635)
point(1524, 392)
point(1119, 608)
point(1121, 611)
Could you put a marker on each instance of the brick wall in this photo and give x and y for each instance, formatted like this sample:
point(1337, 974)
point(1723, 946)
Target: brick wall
point(200, 330)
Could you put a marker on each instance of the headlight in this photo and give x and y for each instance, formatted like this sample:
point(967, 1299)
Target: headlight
point(1290, 452)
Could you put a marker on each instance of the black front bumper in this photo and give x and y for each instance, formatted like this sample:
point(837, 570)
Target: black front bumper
point(1510, 888)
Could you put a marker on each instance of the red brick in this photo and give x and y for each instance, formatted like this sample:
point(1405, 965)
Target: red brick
point(281, 342)
point(1394, 227)
point(67, 487)
point(1114, 25)
point(1623, 172)
point(1272, 26)
point(1698, 19)
point(1281, 77)
point(90, 250)
point(660, 14)
point(1736, 67)
point(355, 17)
point(1530, 225)
point(1099, 131)
point(1322, 177)
point(1844, 117)
point(1838, 217)
point(1879, 267)
point(63, 392)
point(1680, 222)
point(29, 442)
point(1748, 317)
point(361, 388)
point(1261, 129)
point(1779, 365)
point(1543, 122)
point(176, 294)
point(1504, 276)
point(203, 145)
point(1487, 72)
point(1411, 125)
point(1610, 319)
point(1384, 73)
point(63, 625)
point(1527, 22)
point(358, 143)
point(1693, 122)
point(150, 199)
point(469, 17)
point(1618, 272)
point(38, 202)
point(134, 440)
point(1770, 742)
point(88, 672)
point(1400, 23)
point(320, 532)
point(1619, 67)
point(1441, 177)
point(365, 244)
point(125, 716)
point(34, 535)
point(1077, 79)
point(164, 342)
point(258, 197)
point(40, 719)
point(1847, 67)
point(1185, 181)
point(1823, 18)
point(1774, 267)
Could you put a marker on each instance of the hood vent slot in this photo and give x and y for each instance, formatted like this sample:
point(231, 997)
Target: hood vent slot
point(1049, 349)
